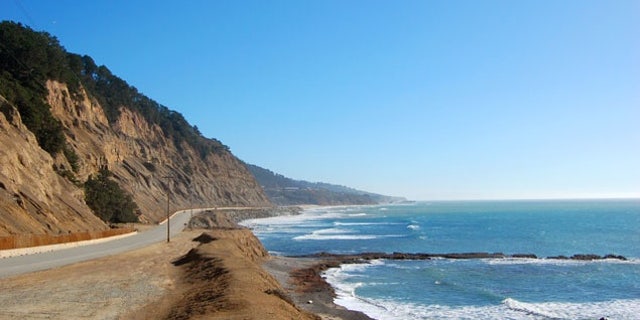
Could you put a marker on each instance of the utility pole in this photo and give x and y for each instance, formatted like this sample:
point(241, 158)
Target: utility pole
point(168, 218)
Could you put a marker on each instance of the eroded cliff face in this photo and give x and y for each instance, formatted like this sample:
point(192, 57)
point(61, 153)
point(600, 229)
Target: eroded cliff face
point(33, 197)
point(145, 162)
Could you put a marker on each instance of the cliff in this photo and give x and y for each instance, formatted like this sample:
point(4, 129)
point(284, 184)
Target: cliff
point(62, 119)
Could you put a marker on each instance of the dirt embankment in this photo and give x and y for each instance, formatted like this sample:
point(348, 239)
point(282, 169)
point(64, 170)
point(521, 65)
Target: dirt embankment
point(298, 280)
point(222, 278)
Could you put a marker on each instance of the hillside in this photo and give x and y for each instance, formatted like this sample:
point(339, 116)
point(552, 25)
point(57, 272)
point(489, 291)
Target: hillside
point(63, 119)
point(285, 191)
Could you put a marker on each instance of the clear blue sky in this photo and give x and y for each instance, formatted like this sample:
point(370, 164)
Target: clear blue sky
point(422, 99)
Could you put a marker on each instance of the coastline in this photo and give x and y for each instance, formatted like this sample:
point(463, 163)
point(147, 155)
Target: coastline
point(299, 278)
point(221, 272)
point(301, 275)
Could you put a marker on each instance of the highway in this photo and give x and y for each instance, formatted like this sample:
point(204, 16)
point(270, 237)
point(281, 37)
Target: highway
point(53, 259)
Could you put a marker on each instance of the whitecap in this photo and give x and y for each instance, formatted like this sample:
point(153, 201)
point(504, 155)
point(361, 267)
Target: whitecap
point(359, 214)
point(338, 223)
point(530, 309)
point(334, 237)
point(333, 231)
point(556, 262)
point(614, 309)
point(384, 309)
point(342, 279)
point(413, 227)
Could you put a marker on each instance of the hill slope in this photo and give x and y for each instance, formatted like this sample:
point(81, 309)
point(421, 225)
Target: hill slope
point(63, 118)
point(285, 191)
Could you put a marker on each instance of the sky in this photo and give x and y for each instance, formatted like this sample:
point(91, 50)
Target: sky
point(430, 100)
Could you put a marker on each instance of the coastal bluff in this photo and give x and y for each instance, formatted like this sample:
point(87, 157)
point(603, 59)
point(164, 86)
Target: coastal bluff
point(35, 198)
point(64, 119)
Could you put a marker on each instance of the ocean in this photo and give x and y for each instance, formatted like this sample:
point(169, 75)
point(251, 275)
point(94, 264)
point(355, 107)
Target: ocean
point(478, 288)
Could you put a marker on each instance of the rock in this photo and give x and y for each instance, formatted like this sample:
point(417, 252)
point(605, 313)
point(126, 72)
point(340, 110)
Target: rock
point(586, 257)
point(613, 256)
point(473, 255)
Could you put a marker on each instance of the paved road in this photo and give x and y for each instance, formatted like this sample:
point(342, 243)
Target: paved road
point(48, 260)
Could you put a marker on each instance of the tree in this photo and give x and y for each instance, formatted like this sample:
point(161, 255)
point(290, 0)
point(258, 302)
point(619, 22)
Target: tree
point(107, 200)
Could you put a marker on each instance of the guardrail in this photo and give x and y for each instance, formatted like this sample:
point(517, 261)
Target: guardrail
point(35, 240)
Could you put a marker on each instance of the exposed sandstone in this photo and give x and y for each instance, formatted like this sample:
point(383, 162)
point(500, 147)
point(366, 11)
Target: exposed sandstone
point(145, 162)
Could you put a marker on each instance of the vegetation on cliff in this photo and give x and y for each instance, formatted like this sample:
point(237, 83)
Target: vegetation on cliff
point(64, 116)
point(107, 200)
point(285, 191)
point(28, 59)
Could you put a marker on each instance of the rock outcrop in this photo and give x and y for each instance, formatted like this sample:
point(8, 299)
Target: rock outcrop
point(33, 197)
point(36, 198)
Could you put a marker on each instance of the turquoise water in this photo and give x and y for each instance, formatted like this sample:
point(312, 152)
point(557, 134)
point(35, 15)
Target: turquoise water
point(472, 289)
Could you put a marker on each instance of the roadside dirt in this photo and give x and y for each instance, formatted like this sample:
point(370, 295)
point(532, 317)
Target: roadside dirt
point(106, 288)
point(220, 276)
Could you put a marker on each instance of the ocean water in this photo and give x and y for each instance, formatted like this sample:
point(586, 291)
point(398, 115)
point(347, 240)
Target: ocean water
point(481, 288)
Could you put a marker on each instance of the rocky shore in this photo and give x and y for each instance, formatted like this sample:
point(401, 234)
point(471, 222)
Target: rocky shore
point(295, 281)
point(300, 278)
point(361, 257)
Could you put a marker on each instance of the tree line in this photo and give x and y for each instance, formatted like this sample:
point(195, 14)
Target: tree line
point(29, 58)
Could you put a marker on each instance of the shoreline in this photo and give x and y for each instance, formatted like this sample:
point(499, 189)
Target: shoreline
point(302, 277)
point(299, 277)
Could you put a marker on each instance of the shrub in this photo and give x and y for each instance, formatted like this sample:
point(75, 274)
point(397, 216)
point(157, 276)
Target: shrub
point(107, 200)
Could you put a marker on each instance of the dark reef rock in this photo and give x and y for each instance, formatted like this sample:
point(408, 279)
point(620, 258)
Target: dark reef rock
point(586, 257)
point(561, 257)
point(366, 256)
point(613, 256)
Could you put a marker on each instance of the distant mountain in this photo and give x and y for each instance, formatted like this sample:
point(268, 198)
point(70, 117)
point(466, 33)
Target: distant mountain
point(285, 191)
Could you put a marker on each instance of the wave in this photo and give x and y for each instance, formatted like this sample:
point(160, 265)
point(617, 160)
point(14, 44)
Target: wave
point(340, 234)
point(413, 227)
point(313, 236)
point(337, 223)
point(556, 262)
point(615, 309)
point(509, 309)
point(279, 223)
point(531, 309)
point(359, 214)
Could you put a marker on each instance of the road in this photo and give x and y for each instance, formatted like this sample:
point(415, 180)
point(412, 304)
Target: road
point(53, 259)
